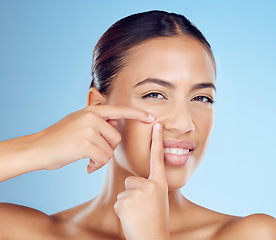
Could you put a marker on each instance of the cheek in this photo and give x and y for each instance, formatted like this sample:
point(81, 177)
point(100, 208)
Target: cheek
point(134, 148)
point(204, 123)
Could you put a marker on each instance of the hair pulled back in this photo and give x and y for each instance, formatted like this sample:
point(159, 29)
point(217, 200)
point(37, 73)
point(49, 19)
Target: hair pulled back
point(111, 50)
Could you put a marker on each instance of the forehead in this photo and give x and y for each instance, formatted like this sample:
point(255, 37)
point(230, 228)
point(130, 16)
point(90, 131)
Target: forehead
point(168, 58)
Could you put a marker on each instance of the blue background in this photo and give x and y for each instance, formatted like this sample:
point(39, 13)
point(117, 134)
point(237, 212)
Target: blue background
point(45, 60)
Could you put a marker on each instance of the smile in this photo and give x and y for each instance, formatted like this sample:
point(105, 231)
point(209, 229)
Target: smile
point(177, 151)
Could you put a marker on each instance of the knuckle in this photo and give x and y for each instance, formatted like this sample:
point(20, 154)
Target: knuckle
point(120, 206)
point(86, 145)
point(117, 137)
point(90, 116)
point(91, 132)
point(138, 194)
point(151, 186)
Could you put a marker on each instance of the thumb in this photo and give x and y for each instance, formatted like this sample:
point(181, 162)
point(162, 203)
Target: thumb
point(157, 165)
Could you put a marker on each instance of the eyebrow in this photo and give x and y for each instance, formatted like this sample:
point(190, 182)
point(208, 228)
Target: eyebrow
point(204, 85)
point(157, 81)
point(172, 86)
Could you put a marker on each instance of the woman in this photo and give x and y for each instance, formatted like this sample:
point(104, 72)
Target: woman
point(149, 114)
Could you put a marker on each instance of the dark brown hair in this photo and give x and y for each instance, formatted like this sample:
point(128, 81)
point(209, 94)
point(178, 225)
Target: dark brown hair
point(112, 48)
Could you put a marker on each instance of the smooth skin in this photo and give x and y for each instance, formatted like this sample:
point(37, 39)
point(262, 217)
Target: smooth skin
point(141, 197)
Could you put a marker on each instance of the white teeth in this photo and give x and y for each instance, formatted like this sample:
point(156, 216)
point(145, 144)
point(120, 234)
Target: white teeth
point(173, 151)
point(183, 151)
point(166, 150)
point(177, 151)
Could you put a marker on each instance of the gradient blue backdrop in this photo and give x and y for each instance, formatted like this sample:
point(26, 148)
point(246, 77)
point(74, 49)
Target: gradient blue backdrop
point(45, 59)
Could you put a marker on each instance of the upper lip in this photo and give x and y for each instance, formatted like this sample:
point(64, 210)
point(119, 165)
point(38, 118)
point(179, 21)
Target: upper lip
point(172, 143)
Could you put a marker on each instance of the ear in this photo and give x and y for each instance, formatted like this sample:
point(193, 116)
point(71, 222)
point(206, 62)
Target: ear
point(95, 97)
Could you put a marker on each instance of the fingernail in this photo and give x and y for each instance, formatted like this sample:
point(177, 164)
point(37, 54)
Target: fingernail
point(152, 118)
point(157, 126)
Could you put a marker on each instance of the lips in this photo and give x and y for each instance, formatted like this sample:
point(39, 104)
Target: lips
point(178, 144)
point(177, 152)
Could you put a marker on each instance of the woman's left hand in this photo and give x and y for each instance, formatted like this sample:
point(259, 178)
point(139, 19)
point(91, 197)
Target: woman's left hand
point(143, 207)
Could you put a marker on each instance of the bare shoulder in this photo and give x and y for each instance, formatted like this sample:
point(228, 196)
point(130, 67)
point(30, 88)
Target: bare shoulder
point(18, 222)
point(255, 226)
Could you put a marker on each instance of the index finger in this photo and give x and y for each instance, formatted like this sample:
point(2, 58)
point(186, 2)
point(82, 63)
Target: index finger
point(157, 165)
point(120, 111)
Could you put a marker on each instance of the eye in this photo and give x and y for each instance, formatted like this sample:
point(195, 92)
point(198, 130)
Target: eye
point(204, 99)
point(156, 95)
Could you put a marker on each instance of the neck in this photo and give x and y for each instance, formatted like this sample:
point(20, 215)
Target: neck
point(103, 204)
point(115, 184)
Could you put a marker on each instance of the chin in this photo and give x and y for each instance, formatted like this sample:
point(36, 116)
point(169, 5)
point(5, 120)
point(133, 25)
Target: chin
point(177, 179)
point(175, 185)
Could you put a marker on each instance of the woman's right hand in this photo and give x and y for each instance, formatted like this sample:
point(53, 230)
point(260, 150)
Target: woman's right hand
point(87, 133)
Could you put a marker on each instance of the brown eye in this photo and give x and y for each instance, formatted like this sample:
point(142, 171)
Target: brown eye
point(154, 95)
point(203, 99)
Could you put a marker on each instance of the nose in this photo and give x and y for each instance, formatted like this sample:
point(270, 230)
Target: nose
point(179, 120)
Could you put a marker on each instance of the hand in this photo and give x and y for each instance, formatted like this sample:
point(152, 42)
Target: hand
point(87, 133)
point(143, 207)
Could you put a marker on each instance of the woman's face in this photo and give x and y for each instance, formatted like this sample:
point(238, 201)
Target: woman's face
point(172, 79)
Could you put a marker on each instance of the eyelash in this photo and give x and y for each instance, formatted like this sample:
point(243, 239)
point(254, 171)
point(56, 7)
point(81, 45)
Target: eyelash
point(148, 95)
point(209, 100)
